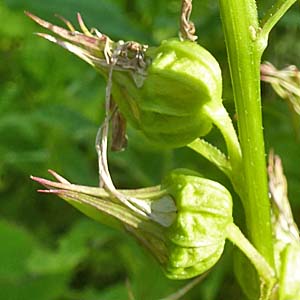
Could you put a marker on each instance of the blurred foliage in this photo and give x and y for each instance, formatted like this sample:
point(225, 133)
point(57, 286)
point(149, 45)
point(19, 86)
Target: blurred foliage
point(51, 105)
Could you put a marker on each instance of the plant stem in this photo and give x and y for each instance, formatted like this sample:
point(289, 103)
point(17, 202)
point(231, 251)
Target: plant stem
point(240, 24)
point(222, 121)
point(264, 270)
point(273, 15)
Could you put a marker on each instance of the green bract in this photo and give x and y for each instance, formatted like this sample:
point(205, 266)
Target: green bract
point(290, 272)
point(286, 232)
point(169, 107)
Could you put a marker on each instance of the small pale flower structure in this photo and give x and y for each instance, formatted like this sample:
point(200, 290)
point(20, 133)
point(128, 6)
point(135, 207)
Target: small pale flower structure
point(285, 82)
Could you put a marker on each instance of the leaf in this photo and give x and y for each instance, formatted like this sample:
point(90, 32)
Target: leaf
point(115, 292)
point(73, 248)
point(12, 260)
point(31, 287)
point(15, 281)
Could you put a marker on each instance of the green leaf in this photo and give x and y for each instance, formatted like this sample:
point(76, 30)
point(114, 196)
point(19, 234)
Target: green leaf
point(29, 287)
point(115, 292)
point(16, 282)
point(12, 260)
point(73, 248)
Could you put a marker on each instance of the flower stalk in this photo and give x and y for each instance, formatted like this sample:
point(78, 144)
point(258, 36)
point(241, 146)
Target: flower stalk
point(273, 15)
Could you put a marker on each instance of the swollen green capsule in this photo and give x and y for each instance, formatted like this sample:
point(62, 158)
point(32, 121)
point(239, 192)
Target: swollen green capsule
point(198, 234)
point(170, 106)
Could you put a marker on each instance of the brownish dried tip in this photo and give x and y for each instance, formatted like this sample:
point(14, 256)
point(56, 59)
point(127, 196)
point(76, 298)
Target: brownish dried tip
point(45, 182)
point(187, 27)
point(37, 179)
point(76, 37)
point(67, 22)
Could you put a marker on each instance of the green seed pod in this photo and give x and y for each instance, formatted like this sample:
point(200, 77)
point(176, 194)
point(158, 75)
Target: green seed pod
point(197, 236)
point(170, 106)
point(199, 211)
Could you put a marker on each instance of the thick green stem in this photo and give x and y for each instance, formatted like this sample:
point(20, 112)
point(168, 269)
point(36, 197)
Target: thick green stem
point(240, 24)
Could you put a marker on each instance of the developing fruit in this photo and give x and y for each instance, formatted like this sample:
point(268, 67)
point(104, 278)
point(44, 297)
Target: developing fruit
point(171, 93)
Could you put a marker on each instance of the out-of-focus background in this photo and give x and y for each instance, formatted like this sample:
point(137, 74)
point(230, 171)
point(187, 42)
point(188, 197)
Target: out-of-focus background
point(51, 105)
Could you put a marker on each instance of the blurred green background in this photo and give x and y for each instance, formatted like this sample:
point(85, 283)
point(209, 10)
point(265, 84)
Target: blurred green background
point(51, 105)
